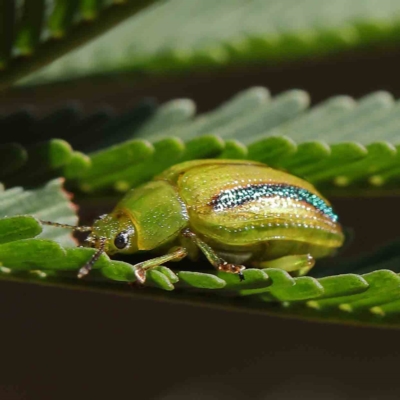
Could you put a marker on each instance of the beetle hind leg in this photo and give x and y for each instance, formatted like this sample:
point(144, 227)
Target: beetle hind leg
point(217, 262)
point(298, 265)
point(224, 266)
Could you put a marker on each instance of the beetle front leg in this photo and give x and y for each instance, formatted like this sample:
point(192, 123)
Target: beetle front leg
point(295, 264)
point(175, 254)
point(216, 261)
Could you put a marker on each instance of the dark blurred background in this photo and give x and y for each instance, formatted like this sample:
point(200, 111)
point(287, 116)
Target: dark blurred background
point(64, 344)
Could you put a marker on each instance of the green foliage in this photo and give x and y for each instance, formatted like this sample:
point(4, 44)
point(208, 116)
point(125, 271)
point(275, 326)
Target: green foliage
point(49, 202)
point(19, 227)
point(40, 162)
point(25, 246)
point(27, 254)
point(281, 131)
point(362, 298)
point(184, 35)
point(201, 280)
point(36, 32)
point(341, 145)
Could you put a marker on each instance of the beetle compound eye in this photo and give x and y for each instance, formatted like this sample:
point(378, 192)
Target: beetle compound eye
point(121, 240)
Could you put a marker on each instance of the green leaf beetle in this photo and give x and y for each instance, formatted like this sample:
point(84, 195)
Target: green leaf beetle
point(235, 212)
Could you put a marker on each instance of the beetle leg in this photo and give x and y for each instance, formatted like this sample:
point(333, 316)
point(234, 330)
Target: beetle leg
point(191, 247)
point(176, 254)
point(297, 264)
point(217, 262)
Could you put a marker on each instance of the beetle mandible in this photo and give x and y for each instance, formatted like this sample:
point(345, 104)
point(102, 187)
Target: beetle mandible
point(235, 212)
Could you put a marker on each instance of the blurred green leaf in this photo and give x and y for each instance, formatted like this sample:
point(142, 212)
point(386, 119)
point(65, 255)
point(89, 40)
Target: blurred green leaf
point(34, 33)
point(30, 26)
point(177, 35)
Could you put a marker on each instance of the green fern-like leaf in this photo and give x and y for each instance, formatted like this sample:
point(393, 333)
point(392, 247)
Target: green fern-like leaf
point(49, 202)
point(332, 144)
point(27, 255)
point(341, 145)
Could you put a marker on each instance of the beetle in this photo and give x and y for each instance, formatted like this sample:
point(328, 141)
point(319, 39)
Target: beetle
point(236, 212)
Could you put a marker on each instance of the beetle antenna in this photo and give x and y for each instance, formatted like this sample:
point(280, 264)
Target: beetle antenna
point(88, 266)
point(73, 227)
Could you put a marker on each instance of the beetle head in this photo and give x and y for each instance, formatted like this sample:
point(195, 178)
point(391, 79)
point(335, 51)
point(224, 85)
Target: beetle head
point(115, 232)
point(110, 233)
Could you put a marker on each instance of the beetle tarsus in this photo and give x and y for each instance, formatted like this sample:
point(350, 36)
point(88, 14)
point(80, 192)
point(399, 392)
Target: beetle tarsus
point(140, 274)
point(89, 265)
point(232, 269)
point(83, 272)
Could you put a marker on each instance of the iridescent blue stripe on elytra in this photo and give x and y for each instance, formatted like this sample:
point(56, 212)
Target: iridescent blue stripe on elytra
point(237, 196)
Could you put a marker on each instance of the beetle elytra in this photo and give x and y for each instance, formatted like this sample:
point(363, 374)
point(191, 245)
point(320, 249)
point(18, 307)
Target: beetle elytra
point(235, 212)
